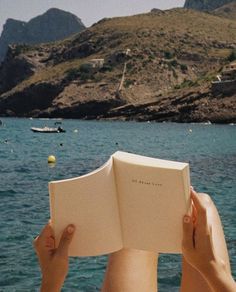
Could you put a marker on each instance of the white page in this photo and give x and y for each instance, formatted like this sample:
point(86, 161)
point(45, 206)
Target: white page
point(152, 201)
point(90, 203)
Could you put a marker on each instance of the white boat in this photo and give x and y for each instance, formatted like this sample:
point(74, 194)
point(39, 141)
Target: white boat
point(48, 130)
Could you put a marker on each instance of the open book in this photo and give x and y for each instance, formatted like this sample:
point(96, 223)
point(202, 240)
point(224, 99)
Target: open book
point(132, 201)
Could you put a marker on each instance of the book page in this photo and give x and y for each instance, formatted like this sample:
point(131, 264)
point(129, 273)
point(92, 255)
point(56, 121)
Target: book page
point(90, 203)
point(153, 198)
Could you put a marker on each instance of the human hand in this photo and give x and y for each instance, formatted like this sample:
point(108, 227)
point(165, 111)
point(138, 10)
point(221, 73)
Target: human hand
point(54, 262)
point(198, 248)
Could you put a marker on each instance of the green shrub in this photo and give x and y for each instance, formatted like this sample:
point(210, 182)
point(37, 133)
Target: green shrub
point(232, 56)
point(174, 63)
point(183, 67)
point(73, 73)
point(83, 72)
point(186, 83)
point(85, 76)
point(128, 82)
point(106, 68)
point(21, 49)
point(85, 68)
point(151, 57)
point(168, 55)
point(129, 66)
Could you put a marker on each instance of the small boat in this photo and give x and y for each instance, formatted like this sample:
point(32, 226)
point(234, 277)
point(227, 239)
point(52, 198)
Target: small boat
point(48, 130)
point(57, 123)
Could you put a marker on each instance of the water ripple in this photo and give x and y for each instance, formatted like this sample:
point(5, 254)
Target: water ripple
point(24, 176)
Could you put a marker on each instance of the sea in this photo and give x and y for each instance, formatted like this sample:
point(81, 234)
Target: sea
point(24, 175)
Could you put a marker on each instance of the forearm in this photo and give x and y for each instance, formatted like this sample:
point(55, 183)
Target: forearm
point(48, 286)
point(218, 278)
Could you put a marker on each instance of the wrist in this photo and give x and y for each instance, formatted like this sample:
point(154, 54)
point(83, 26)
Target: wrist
point(218, 277)
point(214, 268)
point(50, 286)
point(215, 271)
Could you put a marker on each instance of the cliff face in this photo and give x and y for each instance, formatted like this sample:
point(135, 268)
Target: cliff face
point(53, 25)
point(168, 66)
point(205, 5)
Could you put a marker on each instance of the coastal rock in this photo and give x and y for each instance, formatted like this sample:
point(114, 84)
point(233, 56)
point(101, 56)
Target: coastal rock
point(53, 25)
point(189, 106)
point(18, 68)
point(32, 101)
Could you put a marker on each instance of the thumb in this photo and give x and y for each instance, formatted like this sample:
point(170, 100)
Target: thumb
point(65, 240)
point(188, 240)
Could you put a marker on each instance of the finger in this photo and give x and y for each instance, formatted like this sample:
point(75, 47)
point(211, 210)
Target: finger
point(199, 204)
point(47, 231)
point(188, 233)
point(201, 212)
point(197, 201)
point(50, 243)
point(194, 213)
point(40, 242)
point(65, 240)
point(41, 249)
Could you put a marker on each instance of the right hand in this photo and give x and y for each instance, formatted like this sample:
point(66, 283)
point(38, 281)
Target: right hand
point(197, 245)
point(198, 248)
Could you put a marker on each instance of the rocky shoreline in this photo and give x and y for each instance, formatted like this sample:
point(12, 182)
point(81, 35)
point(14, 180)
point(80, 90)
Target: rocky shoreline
point(197, 105)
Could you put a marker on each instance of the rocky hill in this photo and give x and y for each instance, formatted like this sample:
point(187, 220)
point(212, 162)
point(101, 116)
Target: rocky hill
point(205, 5)
point(55, 24)
point(227, 11)
point(155, 66)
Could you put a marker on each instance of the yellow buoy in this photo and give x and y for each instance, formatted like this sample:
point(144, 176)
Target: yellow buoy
point(51, 159)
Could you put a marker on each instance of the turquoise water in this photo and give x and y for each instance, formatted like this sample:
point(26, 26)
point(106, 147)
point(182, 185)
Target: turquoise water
point(24, 174)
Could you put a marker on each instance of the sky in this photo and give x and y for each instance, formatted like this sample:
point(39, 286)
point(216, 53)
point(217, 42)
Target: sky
point(89, 11)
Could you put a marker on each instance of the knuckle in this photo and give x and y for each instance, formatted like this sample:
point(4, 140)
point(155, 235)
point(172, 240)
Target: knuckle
point(206, 199)
point(65, 237)
point(203, 212)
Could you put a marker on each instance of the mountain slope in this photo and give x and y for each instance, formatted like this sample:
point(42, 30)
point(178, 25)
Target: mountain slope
point(172, 57)
point(55, 24)
point(227, 11)
point(205, 4)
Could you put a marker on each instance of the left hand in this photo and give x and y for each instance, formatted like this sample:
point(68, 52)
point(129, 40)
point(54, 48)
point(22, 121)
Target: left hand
point(54, 262)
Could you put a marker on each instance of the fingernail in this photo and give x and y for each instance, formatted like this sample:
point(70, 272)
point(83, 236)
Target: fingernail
point(186, 219)
point(70, 229)
point(192, 188)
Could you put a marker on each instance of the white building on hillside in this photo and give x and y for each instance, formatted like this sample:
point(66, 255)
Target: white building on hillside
point(96, 63)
